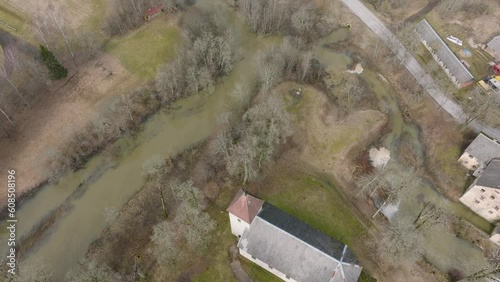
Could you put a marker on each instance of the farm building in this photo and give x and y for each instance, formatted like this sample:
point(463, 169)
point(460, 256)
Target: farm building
point(483, 195)
point(153, 12)
point(493, 47)
point(479, 153)
point(286, 246)
point(452, 66)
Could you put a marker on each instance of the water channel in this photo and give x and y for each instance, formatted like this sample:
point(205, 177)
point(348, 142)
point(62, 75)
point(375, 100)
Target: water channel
point(110, 182)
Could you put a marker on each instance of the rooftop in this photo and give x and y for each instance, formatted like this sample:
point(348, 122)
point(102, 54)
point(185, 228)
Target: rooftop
point(153, 10)
point(439, 47)
point(491, 175)
point(245, 206)
point(484, 148)
point(494, 44)
point(297, 249)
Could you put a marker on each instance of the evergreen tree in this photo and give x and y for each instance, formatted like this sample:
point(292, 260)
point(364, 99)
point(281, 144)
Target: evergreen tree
point(57, 71)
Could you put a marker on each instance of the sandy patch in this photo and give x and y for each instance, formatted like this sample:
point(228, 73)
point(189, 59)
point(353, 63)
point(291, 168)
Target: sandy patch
point(358, 69)
point(379, 157)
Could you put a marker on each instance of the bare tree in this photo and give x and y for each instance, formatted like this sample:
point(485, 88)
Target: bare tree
point(91, 271)
point(58, 19)
point(431, 215)
point(265, 125)
point(400, 243)
point(36, 272)
point(154, 169)
point(190, 223)
point(5, 75)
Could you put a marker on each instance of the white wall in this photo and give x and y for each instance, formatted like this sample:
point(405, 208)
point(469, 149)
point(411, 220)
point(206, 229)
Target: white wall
point(264, 265)
point(484, 201)
point(469, 162)
point(237, 225)
point(495, 237)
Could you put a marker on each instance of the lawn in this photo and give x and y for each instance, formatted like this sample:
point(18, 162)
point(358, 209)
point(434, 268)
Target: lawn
point(314, 201)
point(143, 50)
point(17, 21)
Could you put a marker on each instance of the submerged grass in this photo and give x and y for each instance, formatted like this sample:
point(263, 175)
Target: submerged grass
point(143, 50)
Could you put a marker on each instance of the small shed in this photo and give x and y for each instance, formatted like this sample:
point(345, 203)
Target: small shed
point(496, 69)
point(493, 47)
point(153, 12)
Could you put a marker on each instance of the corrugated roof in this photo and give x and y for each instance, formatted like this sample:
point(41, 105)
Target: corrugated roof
point(451, 62)
point(484, 148)
point(245, 206)
point(491, 175)
point(494, 44)
point(153, 10)
point(297, 249)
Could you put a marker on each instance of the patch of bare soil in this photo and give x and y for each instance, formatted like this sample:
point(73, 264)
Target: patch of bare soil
point(71, 12)
point(55, 117)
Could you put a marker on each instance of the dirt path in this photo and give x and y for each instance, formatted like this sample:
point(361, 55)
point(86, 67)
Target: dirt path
point(413, 66)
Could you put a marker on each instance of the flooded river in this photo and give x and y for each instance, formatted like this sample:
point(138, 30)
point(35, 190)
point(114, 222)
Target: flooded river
point(442, 249)
point(107, 182)
point(110, 182)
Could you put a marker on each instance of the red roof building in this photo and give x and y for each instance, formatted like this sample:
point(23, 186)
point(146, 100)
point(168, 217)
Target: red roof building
point(245, 206)
point(153, 12)
point(496, 69)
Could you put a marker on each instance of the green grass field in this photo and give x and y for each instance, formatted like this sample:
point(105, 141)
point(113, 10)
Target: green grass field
point(314, 201)
point(17, 21)
point(143, 50)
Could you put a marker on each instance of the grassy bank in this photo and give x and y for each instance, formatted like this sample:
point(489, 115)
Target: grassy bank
point(141, 51)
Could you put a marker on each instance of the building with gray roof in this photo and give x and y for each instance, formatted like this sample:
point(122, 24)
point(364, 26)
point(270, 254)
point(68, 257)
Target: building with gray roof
point(493, 47)
point(479, 153)
point(483, 196)
point(295, 251)
point(452, 66)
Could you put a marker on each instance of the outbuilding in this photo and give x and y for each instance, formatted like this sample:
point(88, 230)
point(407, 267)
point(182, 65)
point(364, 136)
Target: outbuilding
point(153, 12)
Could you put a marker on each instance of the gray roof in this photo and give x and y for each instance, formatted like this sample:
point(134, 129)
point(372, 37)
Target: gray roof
point(494, 44)
point(491, 175)
point(297, 249)
point(484, 149)
point(451, 62)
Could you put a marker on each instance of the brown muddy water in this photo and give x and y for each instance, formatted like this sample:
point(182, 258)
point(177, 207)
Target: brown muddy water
point(107, 182)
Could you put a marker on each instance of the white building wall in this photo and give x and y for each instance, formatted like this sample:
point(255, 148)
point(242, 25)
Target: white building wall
point(469, 161)
point(237, 225)
point(264, 265)
point(495, 235)
point(484, 201)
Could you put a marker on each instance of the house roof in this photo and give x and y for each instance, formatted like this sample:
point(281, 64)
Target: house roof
point(245, 206)
point(494, 44)
point(297, 249)
point(451, 62)
point(491, 175)
point(153, 10)
point(484, 148)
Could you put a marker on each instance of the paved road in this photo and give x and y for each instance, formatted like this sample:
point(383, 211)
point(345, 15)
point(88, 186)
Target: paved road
point(449, 105)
